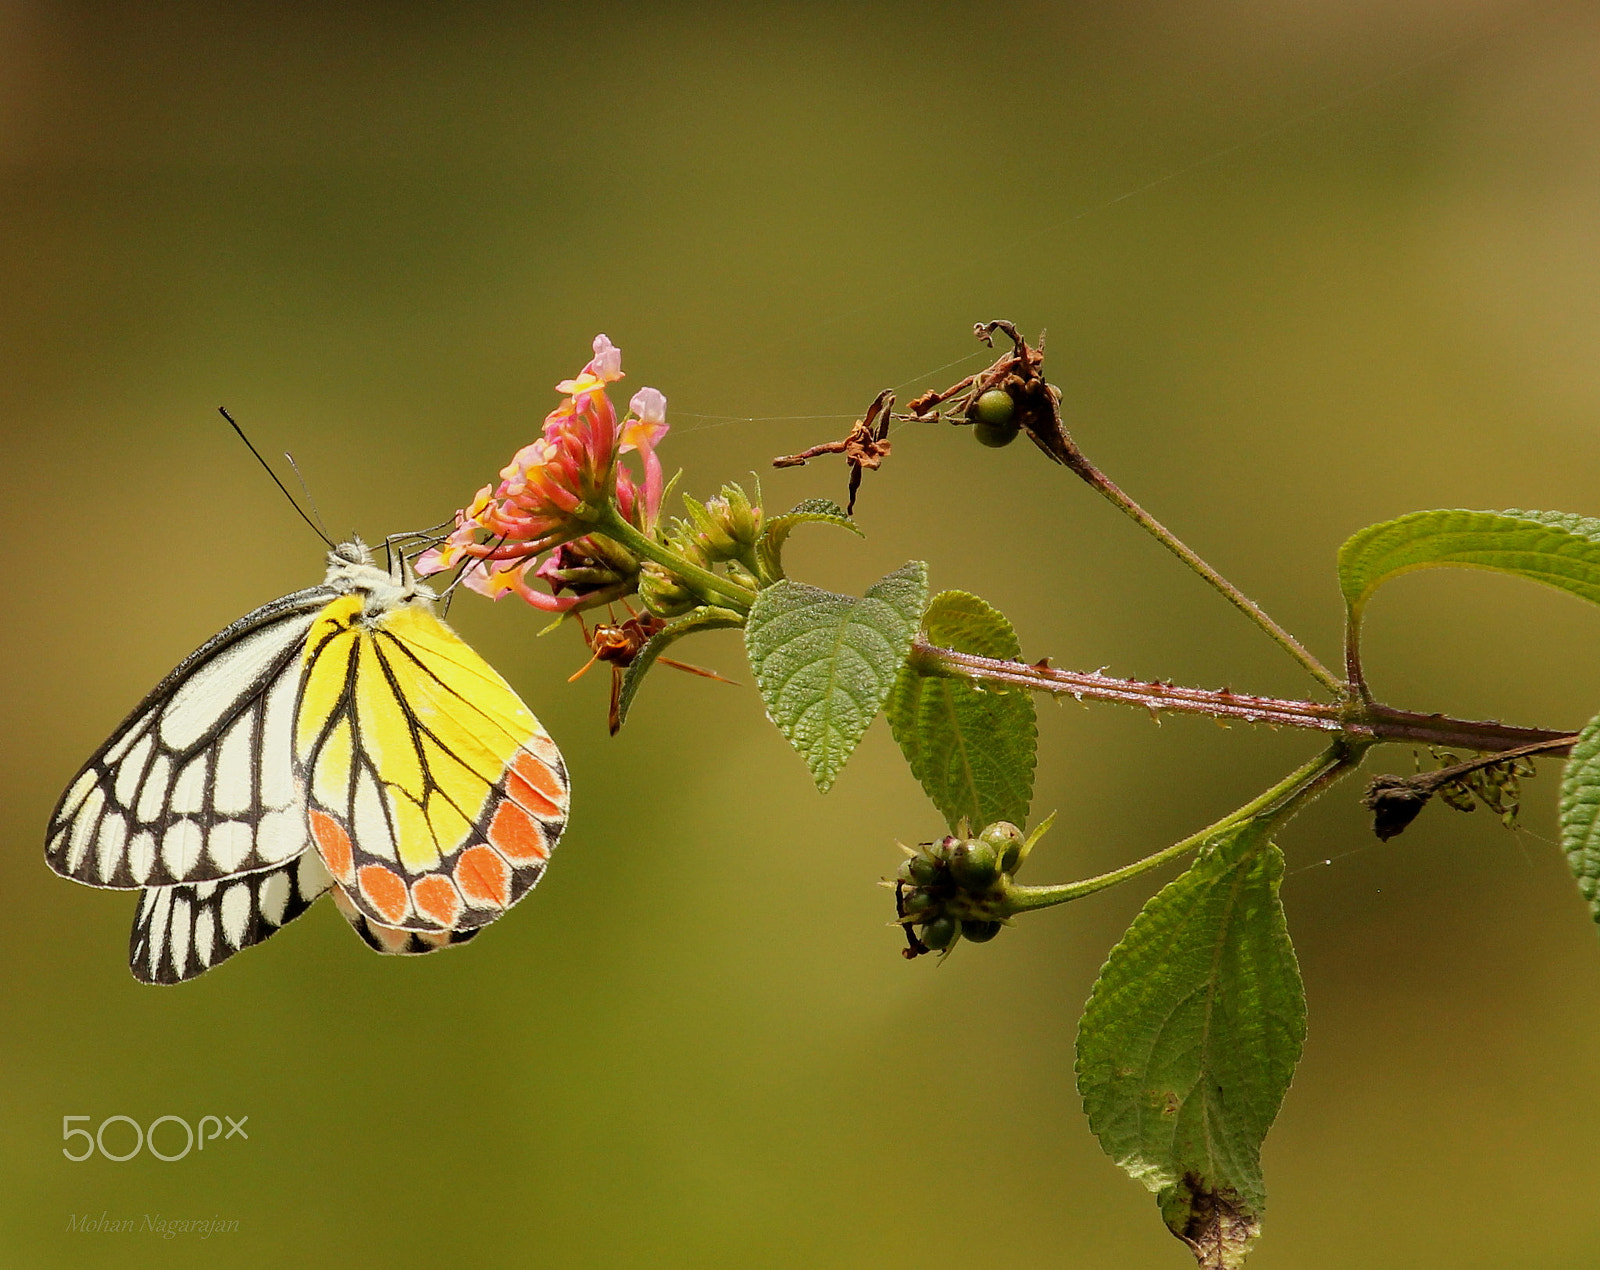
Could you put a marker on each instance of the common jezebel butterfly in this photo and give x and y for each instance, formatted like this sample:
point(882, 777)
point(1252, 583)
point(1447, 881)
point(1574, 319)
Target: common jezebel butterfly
point(341, 738)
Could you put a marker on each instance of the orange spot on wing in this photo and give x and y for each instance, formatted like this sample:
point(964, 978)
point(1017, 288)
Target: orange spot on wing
point(385, 890)
point(333, 845)
point(517, 835)
point(436, 898)
point(534, 785)
point(484, 878)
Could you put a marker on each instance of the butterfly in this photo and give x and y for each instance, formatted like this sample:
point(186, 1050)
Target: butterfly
point(339, 739)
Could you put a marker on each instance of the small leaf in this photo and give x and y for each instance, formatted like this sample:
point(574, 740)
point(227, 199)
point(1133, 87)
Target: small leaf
point(705, 618)
point(1556, 548)
point(1580, 814)
point(825, 662)
point(1189, 1041)
point(769, 550)
point(972, 748)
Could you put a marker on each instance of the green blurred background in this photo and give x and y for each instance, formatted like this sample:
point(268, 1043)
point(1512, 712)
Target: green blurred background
point(1304, 266)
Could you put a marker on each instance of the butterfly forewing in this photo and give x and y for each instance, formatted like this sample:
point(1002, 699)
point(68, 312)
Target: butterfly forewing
point(435, 796)
point(198, 782)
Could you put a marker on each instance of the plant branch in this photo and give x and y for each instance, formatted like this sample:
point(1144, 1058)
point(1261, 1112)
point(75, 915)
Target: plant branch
point(1074, 459)
point(1276, 804)
point(1357, 721)
point(1035, 408)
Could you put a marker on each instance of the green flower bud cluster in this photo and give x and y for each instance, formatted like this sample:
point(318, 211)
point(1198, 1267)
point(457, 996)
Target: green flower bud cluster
point(956, 888)
point(722, 530)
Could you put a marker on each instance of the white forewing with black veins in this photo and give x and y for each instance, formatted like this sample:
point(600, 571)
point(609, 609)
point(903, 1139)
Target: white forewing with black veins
point(198, 782)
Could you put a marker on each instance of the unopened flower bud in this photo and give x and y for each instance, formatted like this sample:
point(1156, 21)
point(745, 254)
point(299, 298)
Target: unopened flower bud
point(707, 530)
point(741, 520)
point(662, 592)
point(589, 565)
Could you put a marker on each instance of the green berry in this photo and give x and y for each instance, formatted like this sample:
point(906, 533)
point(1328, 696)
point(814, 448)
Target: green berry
point(915, 903)
point(941, 933)
point(974, 865)
point(922, 871)
point(980, 932)
point(995, 436)
point(994, 418)
point(995, 407)
point(1006, 840)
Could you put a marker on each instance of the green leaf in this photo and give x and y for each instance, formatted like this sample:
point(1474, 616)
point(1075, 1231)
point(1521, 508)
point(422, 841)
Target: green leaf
point(1580, 814)
point(972, 748)
point(823, 511)
point(1189, 1041)
point(825, 662)
point(1556, 548)
point(705, 618)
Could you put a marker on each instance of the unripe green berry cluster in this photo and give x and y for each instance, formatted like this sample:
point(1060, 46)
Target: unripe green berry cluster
point(955, 888)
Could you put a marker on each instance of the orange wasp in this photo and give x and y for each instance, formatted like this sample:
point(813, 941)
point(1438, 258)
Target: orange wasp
point(617, 644)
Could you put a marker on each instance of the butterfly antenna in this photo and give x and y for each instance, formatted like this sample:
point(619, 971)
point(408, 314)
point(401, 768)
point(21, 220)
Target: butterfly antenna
point(321, 525)
point(300, 511)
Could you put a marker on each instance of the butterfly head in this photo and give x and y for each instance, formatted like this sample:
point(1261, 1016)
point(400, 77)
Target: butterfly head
point(351, 570)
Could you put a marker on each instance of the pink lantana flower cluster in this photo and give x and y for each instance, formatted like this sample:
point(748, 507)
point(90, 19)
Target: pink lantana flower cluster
point(555, 488)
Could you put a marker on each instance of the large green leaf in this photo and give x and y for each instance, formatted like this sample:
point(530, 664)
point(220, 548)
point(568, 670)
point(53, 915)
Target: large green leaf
point(825, 662)
point(971, 747)
point(1557, 548)
point(1580, 814)
point(705, 618)
point(1189, 1041)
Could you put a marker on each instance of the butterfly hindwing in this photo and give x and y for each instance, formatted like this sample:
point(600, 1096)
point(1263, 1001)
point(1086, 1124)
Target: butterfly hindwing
point(434, 796)
point(198, 782)
point(394, 939)
point(183, 930)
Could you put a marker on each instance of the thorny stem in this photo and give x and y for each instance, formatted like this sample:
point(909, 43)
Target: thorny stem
point(612, 525)
point(1356, 721)
point(1275, 805)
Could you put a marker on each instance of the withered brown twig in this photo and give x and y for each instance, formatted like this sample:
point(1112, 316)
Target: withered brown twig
point(1395, 801)
point(865, 446)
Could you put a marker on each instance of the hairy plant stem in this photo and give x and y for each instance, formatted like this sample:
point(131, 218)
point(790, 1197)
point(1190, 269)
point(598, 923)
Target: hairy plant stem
point(1355, 720)
point(1075, 460)
point(610, 522)
point(1274, 806)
